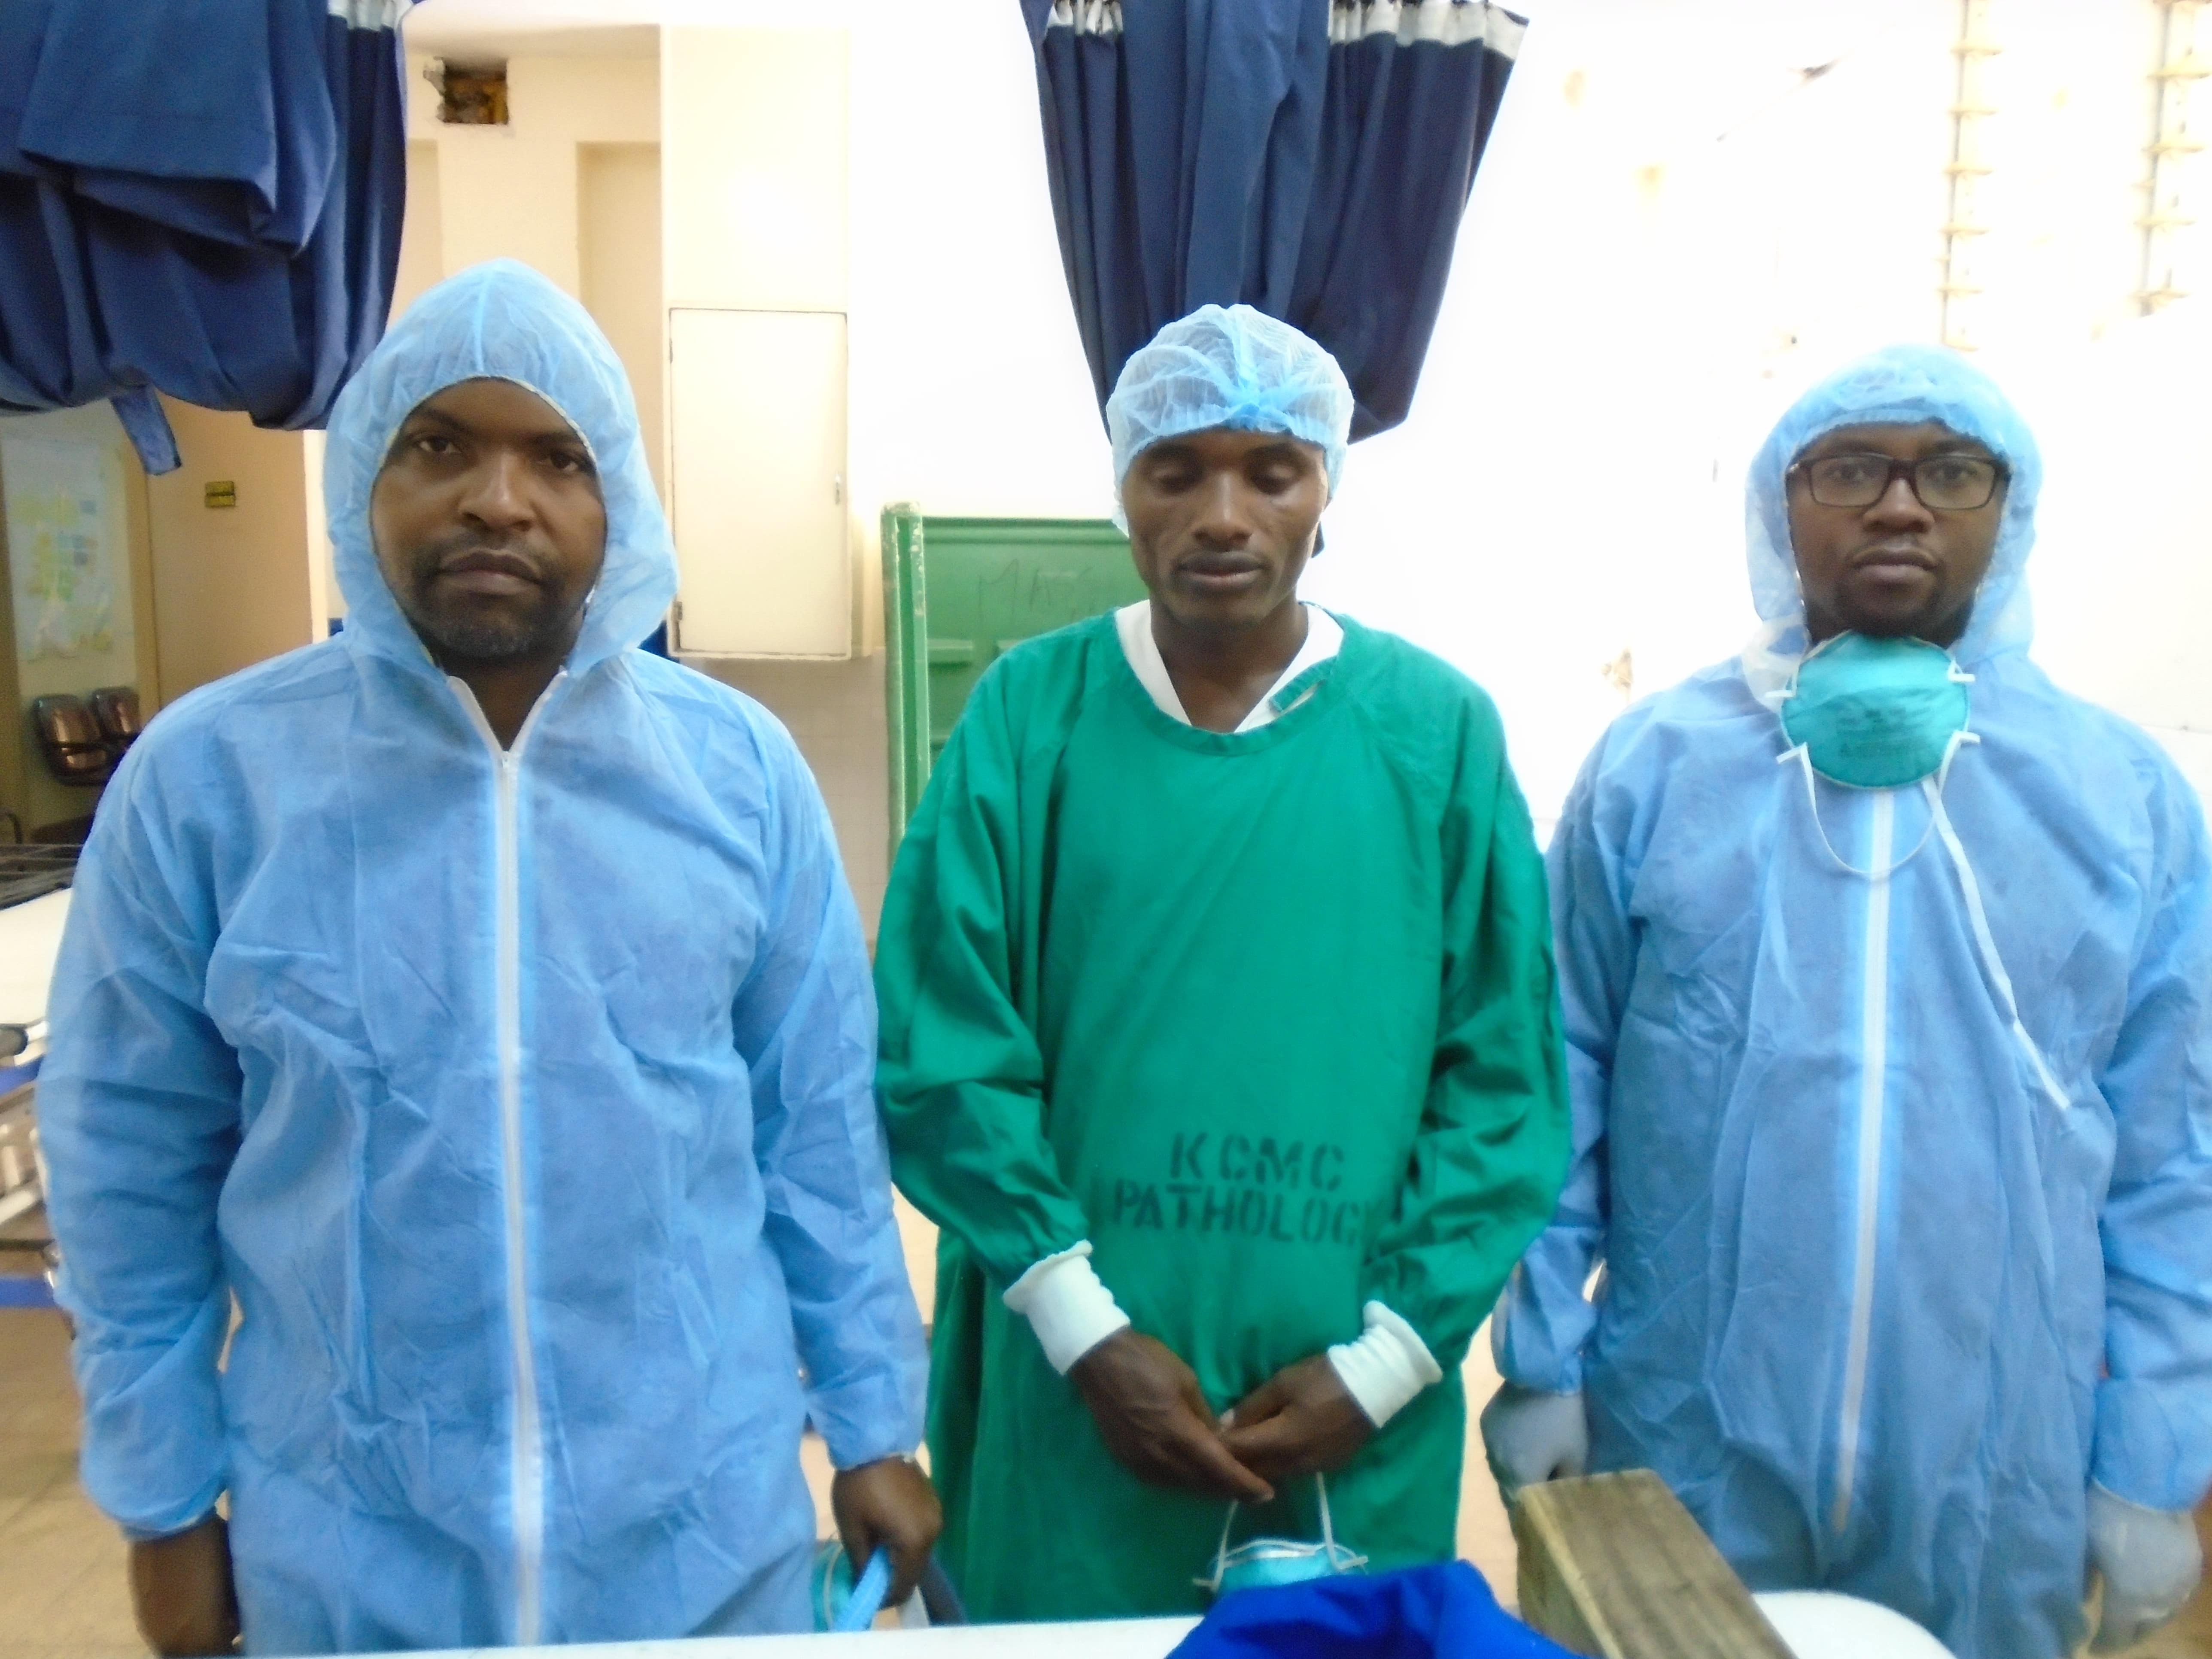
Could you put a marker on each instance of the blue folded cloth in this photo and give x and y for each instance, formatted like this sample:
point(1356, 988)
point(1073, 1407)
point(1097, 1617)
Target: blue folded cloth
point(1442, 1611)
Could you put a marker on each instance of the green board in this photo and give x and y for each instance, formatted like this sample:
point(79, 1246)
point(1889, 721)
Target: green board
point(958, 591)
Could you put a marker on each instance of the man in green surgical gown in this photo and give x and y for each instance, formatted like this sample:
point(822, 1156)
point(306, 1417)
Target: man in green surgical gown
point(1219, 1037)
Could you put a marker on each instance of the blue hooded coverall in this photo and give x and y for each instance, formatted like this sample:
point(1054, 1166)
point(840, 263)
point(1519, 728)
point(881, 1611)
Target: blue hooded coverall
point(522, 1100)
point(1878, 1303)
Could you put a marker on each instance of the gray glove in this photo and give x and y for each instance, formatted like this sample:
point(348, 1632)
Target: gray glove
point(1530, 1436)
point(2149, 1559)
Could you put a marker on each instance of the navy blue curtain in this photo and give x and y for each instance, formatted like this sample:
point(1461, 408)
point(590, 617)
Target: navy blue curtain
point(1312, 158)
point(198, 197)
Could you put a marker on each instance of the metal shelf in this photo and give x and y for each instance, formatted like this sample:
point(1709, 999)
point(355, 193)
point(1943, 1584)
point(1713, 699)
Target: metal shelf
point(32, 871)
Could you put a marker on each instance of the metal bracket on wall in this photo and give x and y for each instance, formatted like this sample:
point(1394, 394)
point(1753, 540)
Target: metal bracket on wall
point(906, 662)
point(2173, 78)
point(1971, 110)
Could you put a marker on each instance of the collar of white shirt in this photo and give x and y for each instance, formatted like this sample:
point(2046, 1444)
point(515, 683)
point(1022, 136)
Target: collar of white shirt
point(1133, 623)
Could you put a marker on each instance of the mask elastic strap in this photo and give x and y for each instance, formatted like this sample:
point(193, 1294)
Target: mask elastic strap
point(1803, 755)
point(1221, 1550)
point(1986, 943)
point(1228, 1524)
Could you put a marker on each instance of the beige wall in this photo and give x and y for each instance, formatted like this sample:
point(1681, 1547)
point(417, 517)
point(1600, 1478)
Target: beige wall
point(232, 586)
point(27, 788)
point(510, 191)
point(422, 232)
point(618, 245)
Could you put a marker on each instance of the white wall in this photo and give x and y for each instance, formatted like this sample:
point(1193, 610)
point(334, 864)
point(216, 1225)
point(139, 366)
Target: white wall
point(2124, 571)
point(970, 392)
point(1673, 234)
point(756, 128)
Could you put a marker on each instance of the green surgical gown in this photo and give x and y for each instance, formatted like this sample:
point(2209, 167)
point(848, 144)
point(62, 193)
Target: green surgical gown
point(1270, 1019)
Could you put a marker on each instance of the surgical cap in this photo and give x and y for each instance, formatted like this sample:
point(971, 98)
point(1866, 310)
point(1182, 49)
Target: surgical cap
point(1234, 367)
point(1903, 384)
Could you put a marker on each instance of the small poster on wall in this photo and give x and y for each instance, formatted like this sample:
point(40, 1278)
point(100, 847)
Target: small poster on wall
point(66, 547)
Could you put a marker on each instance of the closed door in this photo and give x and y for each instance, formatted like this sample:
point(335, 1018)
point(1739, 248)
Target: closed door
point(756, 429)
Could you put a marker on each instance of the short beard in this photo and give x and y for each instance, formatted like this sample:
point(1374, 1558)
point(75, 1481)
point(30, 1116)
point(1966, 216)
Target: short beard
point(493, 635)
point(492, 639)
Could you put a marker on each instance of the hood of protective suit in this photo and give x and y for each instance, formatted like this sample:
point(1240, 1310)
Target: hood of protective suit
point(1903, 384)
point(500, 321)
point(1895, 1159)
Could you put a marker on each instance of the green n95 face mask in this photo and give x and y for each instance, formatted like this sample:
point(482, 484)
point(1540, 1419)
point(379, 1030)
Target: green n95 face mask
point(1877, 713)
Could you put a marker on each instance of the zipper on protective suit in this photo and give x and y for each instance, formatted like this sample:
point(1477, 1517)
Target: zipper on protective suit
point(526, 1453)
point(1874, 1067)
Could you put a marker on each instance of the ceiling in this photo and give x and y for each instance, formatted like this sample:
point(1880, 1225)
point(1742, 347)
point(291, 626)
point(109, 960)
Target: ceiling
point(575, 28)
point(542, 28)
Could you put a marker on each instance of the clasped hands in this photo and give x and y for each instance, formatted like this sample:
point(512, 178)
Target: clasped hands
point(1155, 1420)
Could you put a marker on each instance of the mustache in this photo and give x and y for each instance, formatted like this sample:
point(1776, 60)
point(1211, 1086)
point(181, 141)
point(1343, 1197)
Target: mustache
point(1891, 550)
point(464, 550)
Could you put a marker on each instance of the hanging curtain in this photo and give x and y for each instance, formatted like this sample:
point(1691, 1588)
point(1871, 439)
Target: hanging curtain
point(198, 197)
point(1312, 158)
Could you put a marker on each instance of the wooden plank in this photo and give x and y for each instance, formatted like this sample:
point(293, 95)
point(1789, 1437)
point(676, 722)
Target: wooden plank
point(1613, 1567)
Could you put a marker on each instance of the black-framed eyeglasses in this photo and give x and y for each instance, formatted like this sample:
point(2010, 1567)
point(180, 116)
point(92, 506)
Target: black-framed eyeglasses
point(1946, 483)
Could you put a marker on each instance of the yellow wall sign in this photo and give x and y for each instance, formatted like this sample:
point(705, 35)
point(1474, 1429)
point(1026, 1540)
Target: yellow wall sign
point(222, 492)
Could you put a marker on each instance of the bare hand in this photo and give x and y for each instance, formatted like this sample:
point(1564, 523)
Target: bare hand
point(1302, 1421)
point(891, 1505)
point(1155, 1420)
point(181, 1590)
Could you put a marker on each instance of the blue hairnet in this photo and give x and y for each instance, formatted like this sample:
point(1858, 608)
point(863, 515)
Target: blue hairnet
point(503, 321)
point(1236, 367)
point(1904, 384)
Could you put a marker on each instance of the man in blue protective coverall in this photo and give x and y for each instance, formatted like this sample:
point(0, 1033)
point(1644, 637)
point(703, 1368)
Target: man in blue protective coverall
point(1888, 979)
point(479, 1002)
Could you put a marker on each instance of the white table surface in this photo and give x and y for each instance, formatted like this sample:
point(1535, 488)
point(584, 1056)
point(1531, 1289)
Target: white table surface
point(1815, 1626)
point(1103, 1638)
point(30, 938)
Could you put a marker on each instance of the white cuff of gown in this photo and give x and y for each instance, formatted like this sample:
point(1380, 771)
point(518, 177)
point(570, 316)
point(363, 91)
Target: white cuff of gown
point(1066, 1305)
point(1386, 1367)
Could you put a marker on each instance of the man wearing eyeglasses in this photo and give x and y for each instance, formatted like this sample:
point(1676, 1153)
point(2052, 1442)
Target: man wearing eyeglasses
point(1886, 968)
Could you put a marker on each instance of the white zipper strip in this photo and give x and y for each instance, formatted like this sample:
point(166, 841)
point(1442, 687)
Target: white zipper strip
point(526, 1462)
point(1873, 1064)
